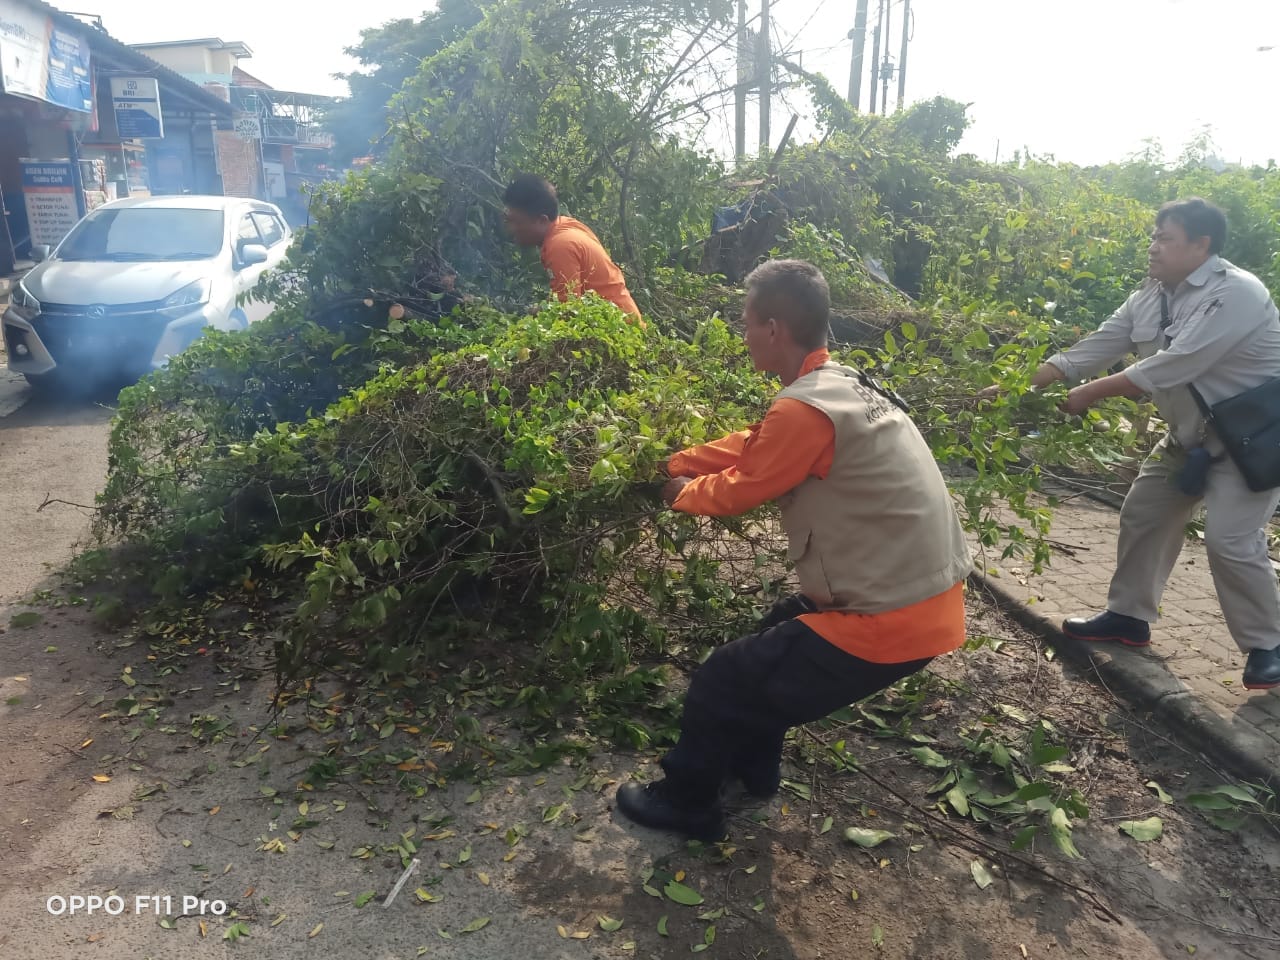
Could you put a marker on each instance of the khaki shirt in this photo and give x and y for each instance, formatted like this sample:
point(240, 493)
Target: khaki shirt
point(1225, 333)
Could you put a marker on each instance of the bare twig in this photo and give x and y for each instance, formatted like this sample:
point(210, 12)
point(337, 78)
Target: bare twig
point(52, 500)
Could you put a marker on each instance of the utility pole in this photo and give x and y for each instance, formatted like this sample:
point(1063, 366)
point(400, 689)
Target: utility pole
point(902, 59)
point(859, 36)
point(764, 68)
point(740, 91)
point(886, 68)
point(875, 56)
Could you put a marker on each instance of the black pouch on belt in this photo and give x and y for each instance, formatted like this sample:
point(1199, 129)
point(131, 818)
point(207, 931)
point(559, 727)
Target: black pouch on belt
point(1193, 478)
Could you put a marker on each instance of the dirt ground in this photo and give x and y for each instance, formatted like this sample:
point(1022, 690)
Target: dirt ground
point(203, 793)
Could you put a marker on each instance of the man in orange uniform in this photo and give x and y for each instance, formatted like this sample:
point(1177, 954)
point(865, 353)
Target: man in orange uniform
point(571, 252)
point(878, 550)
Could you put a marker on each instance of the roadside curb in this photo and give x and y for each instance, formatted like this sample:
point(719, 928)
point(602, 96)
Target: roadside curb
point(1147, 685)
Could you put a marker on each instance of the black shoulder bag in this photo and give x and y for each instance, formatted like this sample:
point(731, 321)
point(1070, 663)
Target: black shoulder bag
point(1248, 425)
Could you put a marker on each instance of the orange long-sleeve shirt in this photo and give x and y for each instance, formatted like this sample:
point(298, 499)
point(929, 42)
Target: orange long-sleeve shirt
point(751, 467)
point(577, 262)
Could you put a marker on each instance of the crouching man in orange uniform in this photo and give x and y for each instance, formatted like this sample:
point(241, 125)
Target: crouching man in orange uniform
point(878, 550)
point(572, 254)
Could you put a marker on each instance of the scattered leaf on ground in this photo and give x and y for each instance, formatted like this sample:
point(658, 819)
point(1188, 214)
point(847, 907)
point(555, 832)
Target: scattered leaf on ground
point(867, 838)
point(679, 893)
point(930, 758)
point(1143, 830)
point(981, 875)
point(609, 925)
point(662, 926)
point(475, 925)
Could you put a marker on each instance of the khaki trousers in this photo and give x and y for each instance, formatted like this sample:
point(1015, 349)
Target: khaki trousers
point(1153, 530)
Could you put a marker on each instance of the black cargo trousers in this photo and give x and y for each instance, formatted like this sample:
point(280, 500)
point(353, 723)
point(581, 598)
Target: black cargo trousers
point(750, 692)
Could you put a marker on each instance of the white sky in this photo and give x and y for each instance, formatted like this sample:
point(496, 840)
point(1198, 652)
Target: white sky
point(1086, 81)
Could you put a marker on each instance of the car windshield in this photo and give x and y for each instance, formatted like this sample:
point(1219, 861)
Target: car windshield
point(145, 233)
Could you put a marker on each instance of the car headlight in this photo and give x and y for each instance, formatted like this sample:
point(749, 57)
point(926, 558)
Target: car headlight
point(23, 303)
point(192, 295)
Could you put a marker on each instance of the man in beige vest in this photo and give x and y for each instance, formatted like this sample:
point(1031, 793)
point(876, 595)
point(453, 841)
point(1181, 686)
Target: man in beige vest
point(1198, 319)
point(878, 550)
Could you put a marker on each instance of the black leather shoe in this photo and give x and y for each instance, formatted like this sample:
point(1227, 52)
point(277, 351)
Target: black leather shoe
point(1262, 669)
point(653, 805)
point(1109, 627)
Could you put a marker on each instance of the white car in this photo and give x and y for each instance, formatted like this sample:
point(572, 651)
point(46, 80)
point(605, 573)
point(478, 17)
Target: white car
point(137, 281)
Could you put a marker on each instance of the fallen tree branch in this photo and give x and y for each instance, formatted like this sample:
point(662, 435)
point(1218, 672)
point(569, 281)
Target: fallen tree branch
point(975, 845)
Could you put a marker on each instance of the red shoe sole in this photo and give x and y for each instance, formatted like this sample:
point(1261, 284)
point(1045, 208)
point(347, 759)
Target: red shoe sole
point(1262, 686)
point(1120, 640)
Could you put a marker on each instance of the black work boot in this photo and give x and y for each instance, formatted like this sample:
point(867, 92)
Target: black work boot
point(761, 783)
point(657, 806)
point(1109, 627)
point(1262, 669)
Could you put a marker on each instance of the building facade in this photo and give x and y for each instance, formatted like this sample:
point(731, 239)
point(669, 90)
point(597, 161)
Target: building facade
point(85, 119)
point(275, 146)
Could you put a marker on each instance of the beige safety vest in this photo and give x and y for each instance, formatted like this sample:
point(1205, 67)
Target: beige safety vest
point(880, 532)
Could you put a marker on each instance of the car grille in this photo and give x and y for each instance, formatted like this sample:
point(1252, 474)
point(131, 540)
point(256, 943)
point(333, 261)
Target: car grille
point(124, 335)
point(99, 311)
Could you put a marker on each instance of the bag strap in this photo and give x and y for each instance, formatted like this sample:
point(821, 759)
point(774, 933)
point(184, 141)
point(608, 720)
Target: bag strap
point(1165, 323)
point(891, 395)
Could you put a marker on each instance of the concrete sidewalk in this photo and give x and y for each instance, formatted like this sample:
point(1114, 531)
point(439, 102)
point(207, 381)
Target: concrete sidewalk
point(1191, 673)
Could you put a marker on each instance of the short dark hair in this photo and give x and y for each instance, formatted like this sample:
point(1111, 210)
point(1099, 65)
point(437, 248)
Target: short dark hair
point(1199, 218)
point(795, 293)
point(533, 195)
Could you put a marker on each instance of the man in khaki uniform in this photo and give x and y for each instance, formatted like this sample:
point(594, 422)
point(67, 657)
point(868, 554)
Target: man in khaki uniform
point(878, 550)
point(1200, 320)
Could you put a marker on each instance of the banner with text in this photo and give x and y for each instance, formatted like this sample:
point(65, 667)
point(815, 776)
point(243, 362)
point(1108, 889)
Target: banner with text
point(49, 187)
point(41, 61)
point(70, 82)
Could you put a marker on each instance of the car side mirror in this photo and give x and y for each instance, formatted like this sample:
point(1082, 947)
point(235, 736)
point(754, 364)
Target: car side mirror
point(252, 254)
point(40, 252)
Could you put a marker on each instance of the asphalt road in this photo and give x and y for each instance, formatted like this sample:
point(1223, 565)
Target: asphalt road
point(50, 449)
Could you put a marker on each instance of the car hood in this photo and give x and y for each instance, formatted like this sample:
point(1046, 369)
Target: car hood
point(88, 282)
